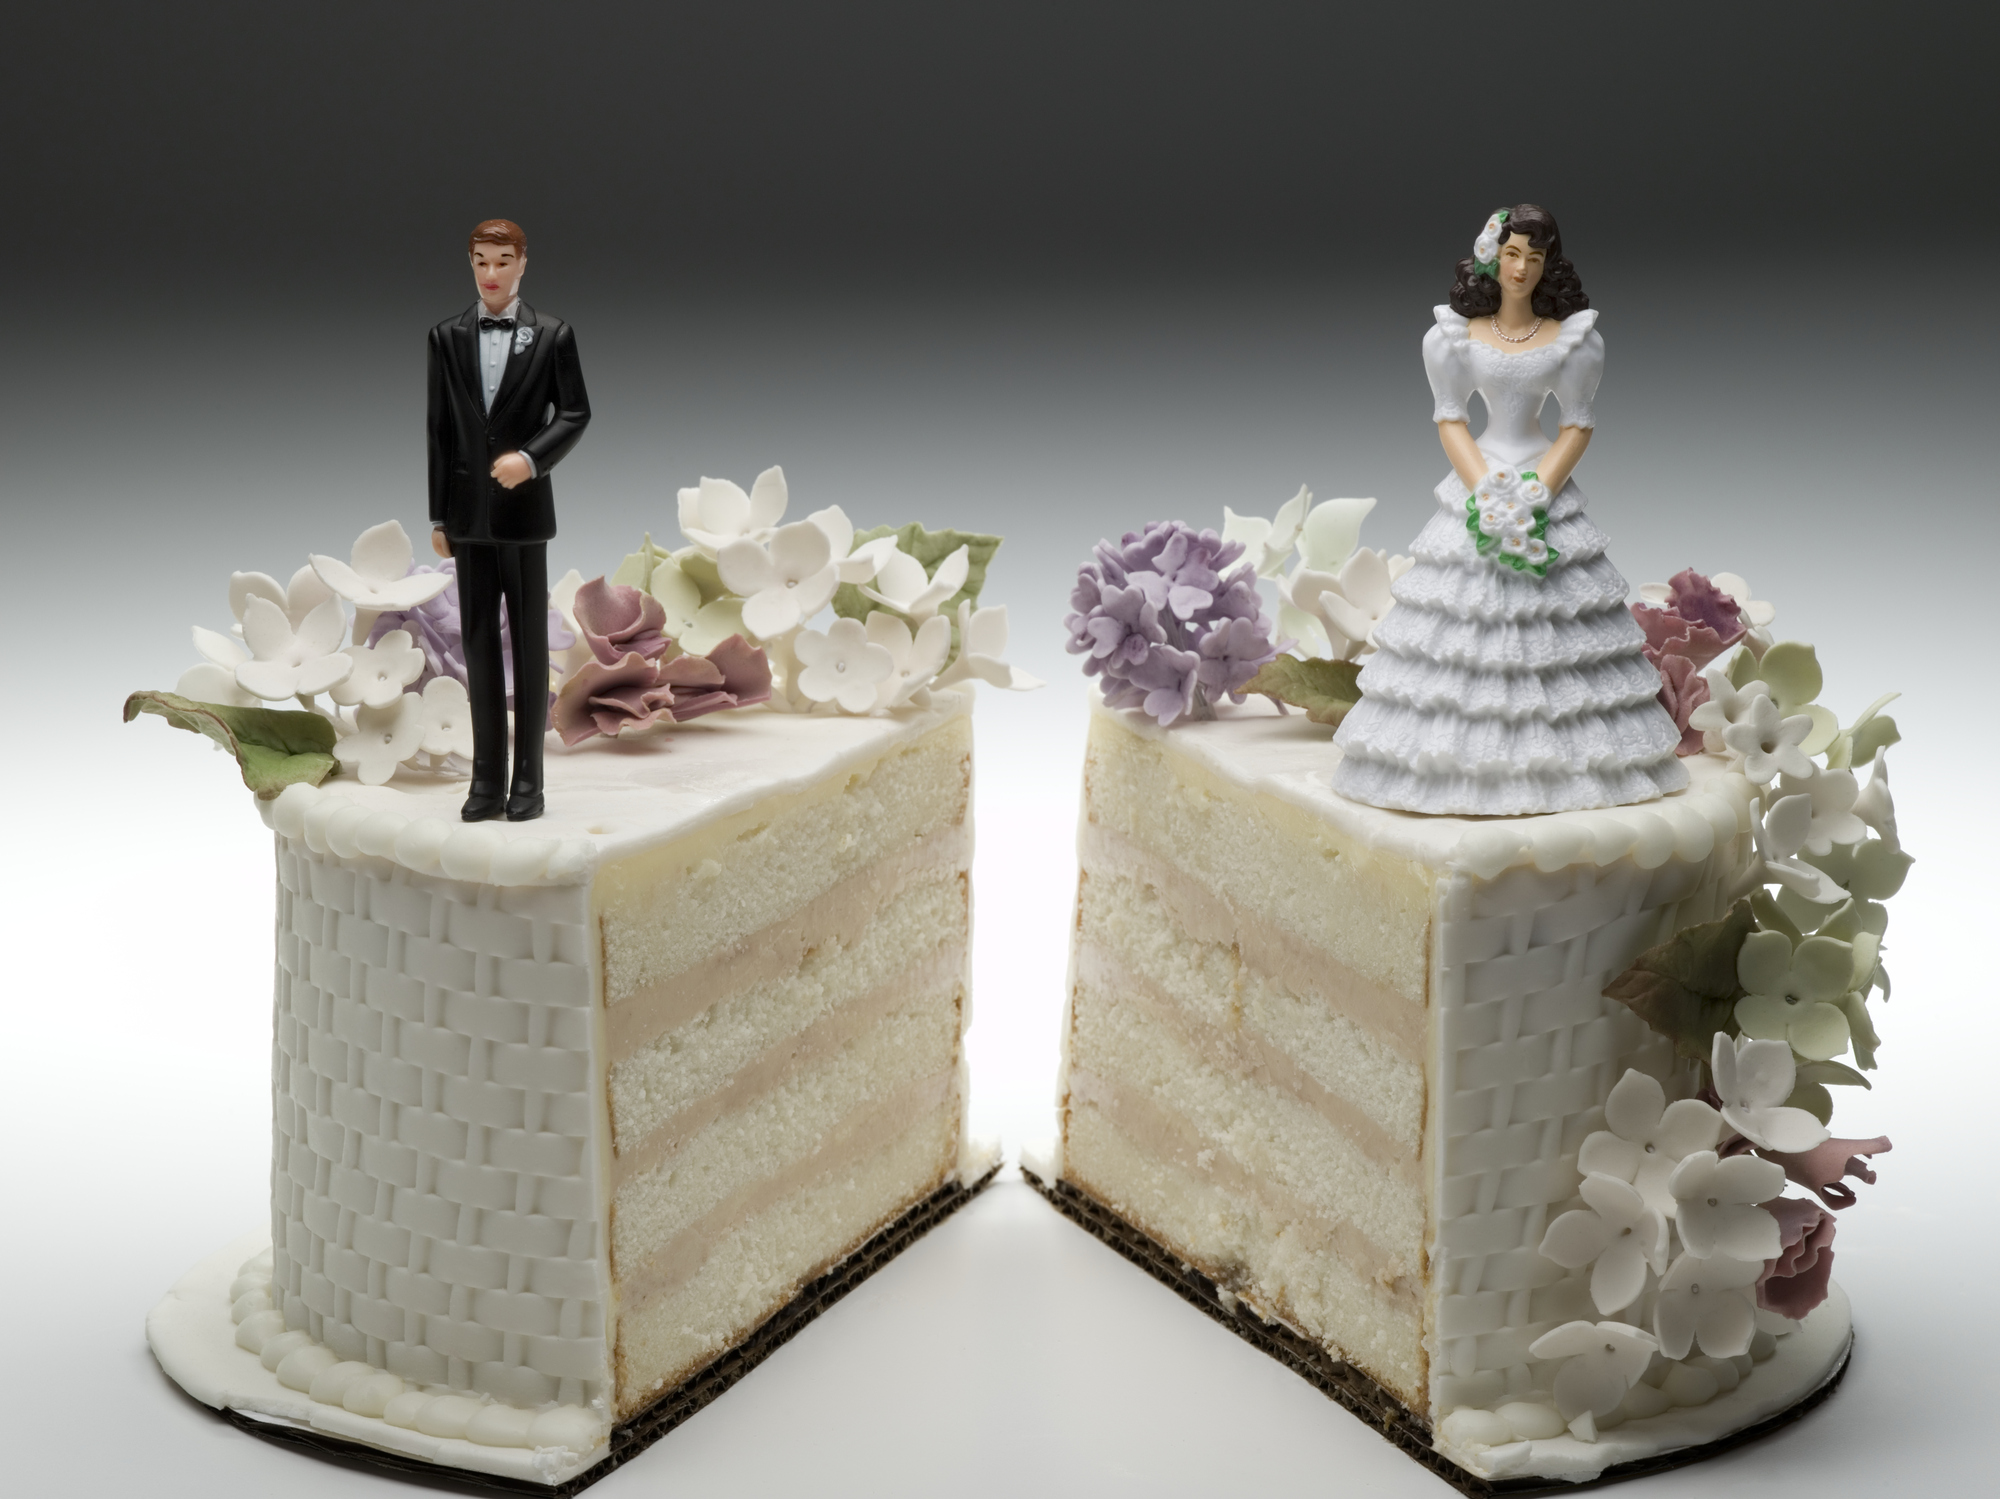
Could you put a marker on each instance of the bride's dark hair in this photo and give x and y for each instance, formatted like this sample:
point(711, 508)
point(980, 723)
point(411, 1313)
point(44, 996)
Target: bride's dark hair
point(1559, 292)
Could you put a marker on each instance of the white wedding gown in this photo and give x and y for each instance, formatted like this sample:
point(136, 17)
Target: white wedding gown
point(1493, 691)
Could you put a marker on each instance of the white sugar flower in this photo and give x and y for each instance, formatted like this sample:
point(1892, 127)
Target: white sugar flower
point(902, 586)
point(1267, 543)
point(982, 641)
point(1603, 1360)
point(1795, 993)
point(1832, 795)
point(782, 585)
point(305, 593)
point(1718, 1205)
point(1332, 531)
point(1726, 706)
point(447, 718)
point(914, 659)
point(382, 739)
point(1875, 806)
point(719, 512)
point(381, 671)
point(286, 663)
point(214, 680)
point(1335, 615)
point(856, 564)
point(1769, 744)
point(842, 666)
point(1780, 832)
point(1648, 1137)
point(1753, 1079)
point(1618, 1234)
point(379, 578)
point(1710, 1303)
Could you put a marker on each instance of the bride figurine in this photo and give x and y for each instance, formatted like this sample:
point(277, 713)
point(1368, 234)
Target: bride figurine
point(1509, 678)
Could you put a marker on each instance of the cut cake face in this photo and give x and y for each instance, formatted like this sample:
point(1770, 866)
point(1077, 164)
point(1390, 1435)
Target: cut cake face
point(1340, 1061)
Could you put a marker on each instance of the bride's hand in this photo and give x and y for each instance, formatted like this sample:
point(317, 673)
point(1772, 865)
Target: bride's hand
point(1554, 467)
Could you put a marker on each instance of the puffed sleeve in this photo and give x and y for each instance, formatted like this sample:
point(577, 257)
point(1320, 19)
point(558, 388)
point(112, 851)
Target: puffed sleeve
point(1582, 367)
point(1446, 363)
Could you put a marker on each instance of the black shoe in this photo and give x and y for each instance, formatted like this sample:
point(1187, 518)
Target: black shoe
point(486, 802)
point(524, 806)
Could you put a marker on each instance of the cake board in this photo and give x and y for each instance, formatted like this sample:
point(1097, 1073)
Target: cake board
point(193, 1338)
point(1808, 1375)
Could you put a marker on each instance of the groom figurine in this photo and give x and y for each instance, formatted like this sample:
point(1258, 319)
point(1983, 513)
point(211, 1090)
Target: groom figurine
point(506, 405)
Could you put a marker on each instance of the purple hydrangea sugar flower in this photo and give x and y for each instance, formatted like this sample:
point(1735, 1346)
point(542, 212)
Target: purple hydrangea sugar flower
point(1171, 619)
point(435, 629)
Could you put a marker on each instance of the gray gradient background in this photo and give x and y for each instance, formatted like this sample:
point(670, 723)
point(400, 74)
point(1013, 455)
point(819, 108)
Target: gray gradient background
point(1046, 270)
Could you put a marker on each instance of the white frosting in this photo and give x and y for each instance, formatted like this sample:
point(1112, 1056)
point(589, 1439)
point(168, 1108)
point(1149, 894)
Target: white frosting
point(225, 1360)
point(1289, 757)
point(606, 798)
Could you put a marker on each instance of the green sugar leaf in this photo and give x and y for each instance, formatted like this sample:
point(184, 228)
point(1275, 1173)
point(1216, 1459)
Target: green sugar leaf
point(1327, 690)
point(273, 747)
point(1686, 988)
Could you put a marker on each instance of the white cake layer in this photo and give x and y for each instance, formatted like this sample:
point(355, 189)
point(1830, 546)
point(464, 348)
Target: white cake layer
point(1258, 962)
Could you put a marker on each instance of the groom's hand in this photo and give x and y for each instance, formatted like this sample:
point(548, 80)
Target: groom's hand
point(440, 543)
point(511, 469)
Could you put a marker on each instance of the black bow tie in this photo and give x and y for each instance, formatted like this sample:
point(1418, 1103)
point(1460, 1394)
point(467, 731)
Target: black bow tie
point(488, 324)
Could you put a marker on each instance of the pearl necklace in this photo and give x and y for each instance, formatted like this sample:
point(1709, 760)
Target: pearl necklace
point(1518, 339)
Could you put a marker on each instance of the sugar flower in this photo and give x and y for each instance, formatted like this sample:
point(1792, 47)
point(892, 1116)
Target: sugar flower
point(1336, 613)
point(1142, 609)
point(1688, 617)
point(1647, 1137)
point(1753, 1079)
point(214, 679)
point(1231, 654)
point(1717, 1205)
point(1755, 613)
point(856, 564)
point(380, 576)
point(784, 584)
point(902, 585)
point(1617, 1233)
point(382, 738)
point(1795, 1281)
point(381, 671)
point(1780, 830)
point(616, 620)
point(1268, 542)
point(1821, 1169)
point(1795, 993)
point(982, 637)
point(636, 691)
point(1682, 690)
point(1727, 706)
point(287, 663)
point(1769, 744)
point(914, 659)
point(447, 718)
point(842, 665)
point(297, 599)
point(1708, 1303)
point(1602, 1361)
point(1831, 795)
point(718, 512)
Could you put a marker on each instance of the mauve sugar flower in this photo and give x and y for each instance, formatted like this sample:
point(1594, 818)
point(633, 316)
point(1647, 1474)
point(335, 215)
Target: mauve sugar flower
point(618, 620)
point(605, 698)
point(1795, 1282)
point(1171, 619)
point(1688, 624)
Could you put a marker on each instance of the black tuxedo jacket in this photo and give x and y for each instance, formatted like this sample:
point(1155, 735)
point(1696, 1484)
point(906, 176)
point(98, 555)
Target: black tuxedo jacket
point(540, 409)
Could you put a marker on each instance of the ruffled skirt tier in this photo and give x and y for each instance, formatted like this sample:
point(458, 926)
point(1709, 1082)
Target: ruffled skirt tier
point(1494, 692)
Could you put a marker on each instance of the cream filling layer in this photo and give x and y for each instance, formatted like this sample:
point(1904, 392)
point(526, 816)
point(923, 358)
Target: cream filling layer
point(1282, 956)
point(774, 951)
point(825, 1038)
point(859, 1135)
point(1249, 1056)
point(1170, 1137)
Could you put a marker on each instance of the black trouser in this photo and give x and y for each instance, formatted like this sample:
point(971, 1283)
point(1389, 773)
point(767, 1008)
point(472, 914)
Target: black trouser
point(519, 573)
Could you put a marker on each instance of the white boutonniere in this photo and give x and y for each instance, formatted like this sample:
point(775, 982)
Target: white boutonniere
point(523, 336)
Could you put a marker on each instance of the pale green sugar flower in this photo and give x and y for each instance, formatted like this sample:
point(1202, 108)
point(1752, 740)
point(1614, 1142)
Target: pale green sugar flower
point(1795, 993)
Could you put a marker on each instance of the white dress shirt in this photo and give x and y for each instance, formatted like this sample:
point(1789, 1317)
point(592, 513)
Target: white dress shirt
point(494, 344)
